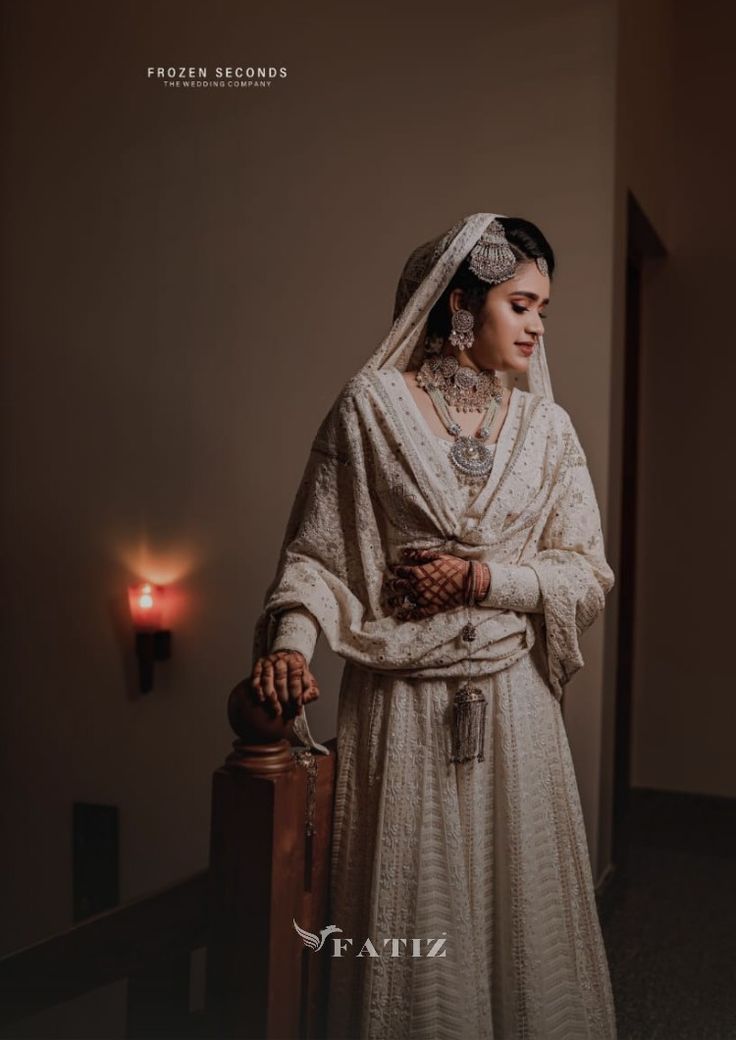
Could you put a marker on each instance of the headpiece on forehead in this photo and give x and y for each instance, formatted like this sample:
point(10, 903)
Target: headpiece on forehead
point(426, 275)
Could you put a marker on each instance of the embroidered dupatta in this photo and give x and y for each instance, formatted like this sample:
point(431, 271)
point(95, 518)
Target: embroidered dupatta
point(372, 485)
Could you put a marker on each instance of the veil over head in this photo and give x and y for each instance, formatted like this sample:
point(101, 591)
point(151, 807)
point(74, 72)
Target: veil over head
point(425, 276)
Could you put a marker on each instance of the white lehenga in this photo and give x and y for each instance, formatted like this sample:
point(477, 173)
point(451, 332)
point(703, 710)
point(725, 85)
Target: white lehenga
point(491, 855)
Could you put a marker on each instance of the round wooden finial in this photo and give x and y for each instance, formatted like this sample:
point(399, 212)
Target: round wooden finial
point(264, 745)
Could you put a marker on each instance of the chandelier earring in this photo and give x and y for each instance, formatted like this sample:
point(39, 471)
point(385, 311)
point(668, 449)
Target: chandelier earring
point(461, 335)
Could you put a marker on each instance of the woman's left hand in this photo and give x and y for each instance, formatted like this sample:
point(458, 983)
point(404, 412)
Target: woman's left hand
point(426, 583)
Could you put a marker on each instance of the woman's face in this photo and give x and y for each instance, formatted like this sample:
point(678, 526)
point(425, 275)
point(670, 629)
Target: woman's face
point(510, 320)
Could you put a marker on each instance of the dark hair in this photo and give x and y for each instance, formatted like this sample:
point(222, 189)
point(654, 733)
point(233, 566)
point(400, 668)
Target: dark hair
point(527, 243)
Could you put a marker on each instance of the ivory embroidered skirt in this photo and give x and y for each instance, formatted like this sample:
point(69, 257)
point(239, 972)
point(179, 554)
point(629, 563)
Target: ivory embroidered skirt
point(486, 863)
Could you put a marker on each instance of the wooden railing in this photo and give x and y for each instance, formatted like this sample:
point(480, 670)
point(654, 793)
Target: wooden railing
point(269, 866)
point(147, 941)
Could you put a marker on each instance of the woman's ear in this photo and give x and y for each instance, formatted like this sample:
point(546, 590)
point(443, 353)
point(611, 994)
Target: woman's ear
point(456, 299)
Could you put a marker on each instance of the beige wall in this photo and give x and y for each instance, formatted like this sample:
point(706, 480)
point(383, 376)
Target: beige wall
point(191, 276)
point(684, 711)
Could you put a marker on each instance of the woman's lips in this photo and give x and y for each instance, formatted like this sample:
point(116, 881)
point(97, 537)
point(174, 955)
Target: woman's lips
point(526, 348)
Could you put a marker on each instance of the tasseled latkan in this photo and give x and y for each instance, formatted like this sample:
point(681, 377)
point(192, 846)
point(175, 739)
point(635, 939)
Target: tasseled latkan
point(469, 724)
point(469, 715)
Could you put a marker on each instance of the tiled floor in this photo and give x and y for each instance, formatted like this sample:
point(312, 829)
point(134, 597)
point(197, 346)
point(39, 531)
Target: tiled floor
point(669, 919)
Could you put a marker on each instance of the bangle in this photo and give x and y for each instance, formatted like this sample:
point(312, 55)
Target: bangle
point(483, 583)
point(470, 586)
point(477, 583)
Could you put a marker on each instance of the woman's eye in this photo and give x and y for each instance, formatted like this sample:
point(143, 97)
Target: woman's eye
point(520, 310)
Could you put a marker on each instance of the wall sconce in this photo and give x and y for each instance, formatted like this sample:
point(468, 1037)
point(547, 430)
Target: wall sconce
point(152, 642)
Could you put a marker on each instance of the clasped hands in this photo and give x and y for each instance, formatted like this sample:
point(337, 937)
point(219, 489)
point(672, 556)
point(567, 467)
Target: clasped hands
point(427, 582)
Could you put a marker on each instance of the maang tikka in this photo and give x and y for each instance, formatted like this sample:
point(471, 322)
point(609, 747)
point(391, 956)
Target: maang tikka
point(493, 260)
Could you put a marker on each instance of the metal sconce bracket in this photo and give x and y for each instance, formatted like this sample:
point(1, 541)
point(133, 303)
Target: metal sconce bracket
point(151, 647)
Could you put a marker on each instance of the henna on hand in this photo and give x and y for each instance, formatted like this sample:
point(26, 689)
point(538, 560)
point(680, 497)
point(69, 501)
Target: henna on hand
point(429, 582)
point(432, 582)
point(284, 677)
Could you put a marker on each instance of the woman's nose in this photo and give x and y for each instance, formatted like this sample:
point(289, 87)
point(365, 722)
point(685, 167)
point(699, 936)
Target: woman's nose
point(535, 327)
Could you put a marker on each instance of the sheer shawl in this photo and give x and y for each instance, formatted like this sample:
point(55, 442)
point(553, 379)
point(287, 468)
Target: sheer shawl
point(366, 493)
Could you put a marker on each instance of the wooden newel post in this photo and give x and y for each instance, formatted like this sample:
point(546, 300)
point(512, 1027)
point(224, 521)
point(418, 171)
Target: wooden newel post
point(269, 866)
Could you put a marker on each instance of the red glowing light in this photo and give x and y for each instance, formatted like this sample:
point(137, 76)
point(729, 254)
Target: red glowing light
point(146, 606)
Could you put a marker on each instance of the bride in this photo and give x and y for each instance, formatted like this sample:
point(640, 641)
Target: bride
point(446, 539)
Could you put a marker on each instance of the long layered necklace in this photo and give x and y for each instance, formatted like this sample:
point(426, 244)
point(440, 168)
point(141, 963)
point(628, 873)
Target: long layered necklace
point(449, 383)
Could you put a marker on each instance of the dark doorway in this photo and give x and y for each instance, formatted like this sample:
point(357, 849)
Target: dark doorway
point(643, 246)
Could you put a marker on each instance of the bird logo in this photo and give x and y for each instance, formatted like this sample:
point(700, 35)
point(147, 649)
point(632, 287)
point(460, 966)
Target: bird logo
point(315, 942)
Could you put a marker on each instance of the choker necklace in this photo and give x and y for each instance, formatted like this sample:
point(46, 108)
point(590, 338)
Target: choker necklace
point(461, 387)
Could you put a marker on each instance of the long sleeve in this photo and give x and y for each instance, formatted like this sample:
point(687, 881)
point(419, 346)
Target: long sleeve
point(574, 576)
point(514, 587)
point(297, 630)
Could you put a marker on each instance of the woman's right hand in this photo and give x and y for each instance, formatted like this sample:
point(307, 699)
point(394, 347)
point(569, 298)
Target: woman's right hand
point(284, 678)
